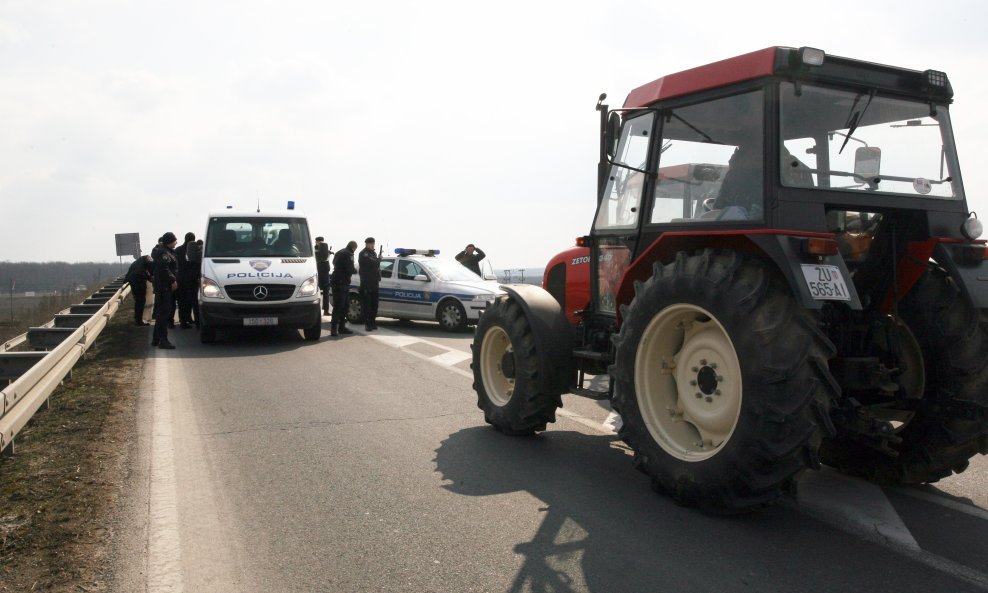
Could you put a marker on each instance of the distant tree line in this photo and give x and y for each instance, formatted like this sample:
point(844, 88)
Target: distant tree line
point(56, 276)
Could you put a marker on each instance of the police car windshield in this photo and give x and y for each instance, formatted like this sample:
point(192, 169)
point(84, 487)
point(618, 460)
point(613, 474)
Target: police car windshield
point(449, 271)
point(249, 237)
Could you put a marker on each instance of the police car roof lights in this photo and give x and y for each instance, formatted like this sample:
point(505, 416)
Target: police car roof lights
point(402, 251)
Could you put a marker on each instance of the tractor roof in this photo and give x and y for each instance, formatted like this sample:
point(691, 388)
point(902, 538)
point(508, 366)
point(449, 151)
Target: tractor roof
point(786, 60)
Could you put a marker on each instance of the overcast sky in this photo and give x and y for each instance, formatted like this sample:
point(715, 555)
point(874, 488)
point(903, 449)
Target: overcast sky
point(425, 124)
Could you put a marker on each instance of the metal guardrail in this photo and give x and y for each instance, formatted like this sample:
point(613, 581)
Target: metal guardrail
point(32, 388)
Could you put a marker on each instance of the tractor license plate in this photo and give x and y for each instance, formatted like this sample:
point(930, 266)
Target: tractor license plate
point(255, 321)
point(825, 283)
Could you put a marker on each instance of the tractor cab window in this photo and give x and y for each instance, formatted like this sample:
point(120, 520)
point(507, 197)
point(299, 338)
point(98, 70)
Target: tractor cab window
point(710, 167)
point(623, 192)
point(857, 140)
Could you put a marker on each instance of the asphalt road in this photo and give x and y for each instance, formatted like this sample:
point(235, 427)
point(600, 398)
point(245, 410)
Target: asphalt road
point(363, 464)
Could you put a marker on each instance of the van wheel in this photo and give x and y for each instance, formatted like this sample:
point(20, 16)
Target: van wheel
point(312, 333)
point(451, 316)
point(207, 334)
point(355, 312)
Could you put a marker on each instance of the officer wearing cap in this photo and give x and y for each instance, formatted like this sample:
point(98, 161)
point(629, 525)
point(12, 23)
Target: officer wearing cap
point(370, 281)
point(343, 270)
point(322, 268)
point(165, 283)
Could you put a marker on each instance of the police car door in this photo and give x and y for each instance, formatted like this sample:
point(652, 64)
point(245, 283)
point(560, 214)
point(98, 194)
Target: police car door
point(386, 294)
point(413, 300)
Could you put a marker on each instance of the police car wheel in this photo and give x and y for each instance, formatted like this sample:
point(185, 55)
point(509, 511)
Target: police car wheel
point(451, 316)
point(355, 312)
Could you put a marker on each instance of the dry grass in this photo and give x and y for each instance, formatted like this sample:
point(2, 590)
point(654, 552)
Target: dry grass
point(58, 492)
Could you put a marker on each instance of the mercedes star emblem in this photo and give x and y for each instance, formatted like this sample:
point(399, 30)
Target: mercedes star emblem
point(261, 293)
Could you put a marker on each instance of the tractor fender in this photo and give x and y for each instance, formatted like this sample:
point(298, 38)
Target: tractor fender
point(554, 336)
point(965, 264)
point(781, 248)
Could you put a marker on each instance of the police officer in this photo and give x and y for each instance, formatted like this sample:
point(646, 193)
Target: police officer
point(138, 276)
point(188, 281)
point(343, 270)
point(370, 281)
point(470, 257)
point(322, 267)
point(166, 282)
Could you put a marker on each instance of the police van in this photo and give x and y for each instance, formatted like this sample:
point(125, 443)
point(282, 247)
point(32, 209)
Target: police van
point(258, 270)
point(415, 284)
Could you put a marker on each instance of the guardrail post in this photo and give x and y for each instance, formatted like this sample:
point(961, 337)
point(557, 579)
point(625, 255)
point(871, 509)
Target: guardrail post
point(8, 449)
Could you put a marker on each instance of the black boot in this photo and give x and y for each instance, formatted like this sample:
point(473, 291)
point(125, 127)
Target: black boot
point(166, 345)
point(333, 331)
point(345, 330)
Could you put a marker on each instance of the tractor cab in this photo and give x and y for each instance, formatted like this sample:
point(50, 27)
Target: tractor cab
point(779, 140)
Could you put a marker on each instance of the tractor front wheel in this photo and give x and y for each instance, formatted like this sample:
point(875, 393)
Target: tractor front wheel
point(514, 397)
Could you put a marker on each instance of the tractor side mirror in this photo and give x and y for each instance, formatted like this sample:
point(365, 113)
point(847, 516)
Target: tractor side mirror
point(867, 163)
point(612, 133)
point(705, 173)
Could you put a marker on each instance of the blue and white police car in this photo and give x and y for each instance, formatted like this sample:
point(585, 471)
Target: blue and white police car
point(416, 284)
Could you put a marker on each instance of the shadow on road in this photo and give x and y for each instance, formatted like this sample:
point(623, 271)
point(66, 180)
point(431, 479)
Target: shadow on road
point(604, 530)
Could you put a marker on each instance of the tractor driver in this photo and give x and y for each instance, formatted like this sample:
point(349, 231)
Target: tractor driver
point(741, 192)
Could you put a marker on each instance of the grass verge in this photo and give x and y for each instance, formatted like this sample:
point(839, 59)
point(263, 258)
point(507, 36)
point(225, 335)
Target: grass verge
point(58, 492)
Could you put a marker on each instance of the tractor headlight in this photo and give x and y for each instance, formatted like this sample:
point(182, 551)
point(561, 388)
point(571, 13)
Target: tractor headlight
point(308, 288)
point(210, 289)
point(972, 227)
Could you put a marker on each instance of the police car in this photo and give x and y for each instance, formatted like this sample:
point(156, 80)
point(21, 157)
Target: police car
point(415, 284)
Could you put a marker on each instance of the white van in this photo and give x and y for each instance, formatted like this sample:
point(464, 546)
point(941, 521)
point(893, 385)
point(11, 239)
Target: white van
point(258, 270)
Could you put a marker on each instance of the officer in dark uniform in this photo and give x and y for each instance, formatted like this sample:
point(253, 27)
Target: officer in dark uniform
point(188, 281)
point(138, 276)
point(470, 257)
point(322, 267)
point(165, 281)
point(343, 271)
point(370, 281)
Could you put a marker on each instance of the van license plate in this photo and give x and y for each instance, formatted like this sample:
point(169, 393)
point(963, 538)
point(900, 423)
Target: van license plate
point(825, 283)
point(260, 321)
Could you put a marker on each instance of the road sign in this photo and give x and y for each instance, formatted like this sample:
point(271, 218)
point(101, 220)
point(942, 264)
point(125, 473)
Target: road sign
point(129, 244)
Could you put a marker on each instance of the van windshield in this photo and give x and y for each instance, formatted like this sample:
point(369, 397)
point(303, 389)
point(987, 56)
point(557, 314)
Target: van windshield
point(258, 236)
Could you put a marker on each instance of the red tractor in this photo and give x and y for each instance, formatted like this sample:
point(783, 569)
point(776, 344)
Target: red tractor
point(782, 272)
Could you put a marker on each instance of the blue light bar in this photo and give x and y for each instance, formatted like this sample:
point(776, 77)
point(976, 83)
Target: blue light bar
point(402, 251)
point(291, 204)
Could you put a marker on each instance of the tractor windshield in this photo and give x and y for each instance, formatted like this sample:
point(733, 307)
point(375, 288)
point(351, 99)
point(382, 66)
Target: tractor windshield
point(860, 141)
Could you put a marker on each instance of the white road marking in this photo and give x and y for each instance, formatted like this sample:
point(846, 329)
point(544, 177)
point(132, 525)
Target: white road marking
point(399, 340)
point(849, 504)
point(452, 357)
point(846, 500)
point(164, 573)
point(613, 422)
point(943, 501)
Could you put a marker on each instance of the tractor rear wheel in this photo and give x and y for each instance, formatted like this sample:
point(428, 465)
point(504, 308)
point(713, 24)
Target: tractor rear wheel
point(721, 380)
point(510, 391)
point(952, 425)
